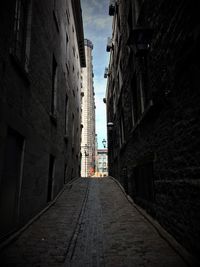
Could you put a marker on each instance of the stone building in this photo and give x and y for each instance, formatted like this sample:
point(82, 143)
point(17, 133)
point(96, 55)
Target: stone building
point(102, 163)
point(88, 140)
point(153, 110)
point(41, 55)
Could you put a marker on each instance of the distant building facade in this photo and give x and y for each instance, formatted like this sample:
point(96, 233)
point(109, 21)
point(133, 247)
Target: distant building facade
point(41, 55)
point(88, 115)
point(153, 111)
point(102, 163)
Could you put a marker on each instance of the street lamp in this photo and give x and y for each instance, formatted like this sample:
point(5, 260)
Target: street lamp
point(86, 155)
point(104, 143)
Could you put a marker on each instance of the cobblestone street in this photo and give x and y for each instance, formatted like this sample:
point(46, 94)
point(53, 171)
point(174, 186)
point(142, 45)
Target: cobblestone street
point(92, 223)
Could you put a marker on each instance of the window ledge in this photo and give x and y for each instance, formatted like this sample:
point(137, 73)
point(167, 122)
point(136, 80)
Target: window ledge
point(122, 147)
point(20, 68)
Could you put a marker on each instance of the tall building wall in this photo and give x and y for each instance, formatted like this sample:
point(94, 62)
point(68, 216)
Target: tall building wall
point(40, 114)
point(88, 115)
point(153, 102)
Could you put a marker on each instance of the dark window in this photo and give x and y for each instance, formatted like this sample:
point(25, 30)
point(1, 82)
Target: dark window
point(65, 173)
point(22, 31)
point(66, 115)
point(139, 100)
point(73, 51)
point(67, 41)
point(55, 14)
point(50, 178)
point(68, 15)
point(67, 67)
point(142, 82)
point(73, 130)
point(72, 173)
point(122, 136)
point(134, 104)
point(118, 22)
point(144, 181)
point(54, 86)
point(130, 18)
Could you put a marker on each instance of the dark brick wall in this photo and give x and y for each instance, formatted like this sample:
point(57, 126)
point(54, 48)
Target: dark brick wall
point(167, 136)
point(25, 101)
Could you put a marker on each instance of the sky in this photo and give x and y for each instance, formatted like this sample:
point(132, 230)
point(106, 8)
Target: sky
point(97, 28)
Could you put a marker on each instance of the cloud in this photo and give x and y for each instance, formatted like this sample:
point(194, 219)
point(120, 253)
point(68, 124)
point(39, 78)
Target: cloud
point(98, 23)
point(94, 6)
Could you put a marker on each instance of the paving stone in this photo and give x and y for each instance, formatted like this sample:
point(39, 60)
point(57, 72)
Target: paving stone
point(93, 224)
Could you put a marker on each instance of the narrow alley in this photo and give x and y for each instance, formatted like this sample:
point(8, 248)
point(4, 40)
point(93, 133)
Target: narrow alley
point(99, 133)
point(92, 223)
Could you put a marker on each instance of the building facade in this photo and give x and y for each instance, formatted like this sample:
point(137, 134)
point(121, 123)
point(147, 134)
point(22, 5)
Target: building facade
point(102, 163)
point(88, 142)
point(41, 55)
point(153, 111)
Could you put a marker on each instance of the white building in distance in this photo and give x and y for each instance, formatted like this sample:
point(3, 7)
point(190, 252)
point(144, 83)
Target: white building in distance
point(102, 163)
point(88, 115)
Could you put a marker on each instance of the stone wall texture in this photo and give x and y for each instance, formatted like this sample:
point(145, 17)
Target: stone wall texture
point(159, 160)
point(25, 106)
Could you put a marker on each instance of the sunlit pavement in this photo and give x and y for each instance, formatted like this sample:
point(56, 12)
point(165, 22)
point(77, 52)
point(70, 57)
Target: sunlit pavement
point(91, 224)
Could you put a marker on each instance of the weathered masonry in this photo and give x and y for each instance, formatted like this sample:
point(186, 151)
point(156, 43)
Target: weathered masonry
point(153, 110)
point(41, 55)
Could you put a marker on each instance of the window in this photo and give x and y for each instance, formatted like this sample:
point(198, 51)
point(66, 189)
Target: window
point(122, 137)
point(118, 22)
point(65, 173)
point(73, 48)
point(130, 18)
point(54, 87)
point(134, 102)
point(66, 115)
point(73, 130)
point(114, 100)
point(139, 97)
point(51, 178)
point(67, 41)
point(22, 32)
point(142, 96)
point(55, 15)
point(143, 176)
point(67, 67)
point(68, 15)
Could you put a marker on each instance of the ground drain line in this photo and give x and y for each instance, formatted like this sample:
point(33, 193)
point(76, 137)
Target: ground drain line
point(73, 240)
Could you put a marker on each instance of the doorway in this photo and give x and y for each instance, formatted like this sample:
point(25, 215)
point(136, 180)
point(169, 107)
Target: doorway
point(10, 184)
